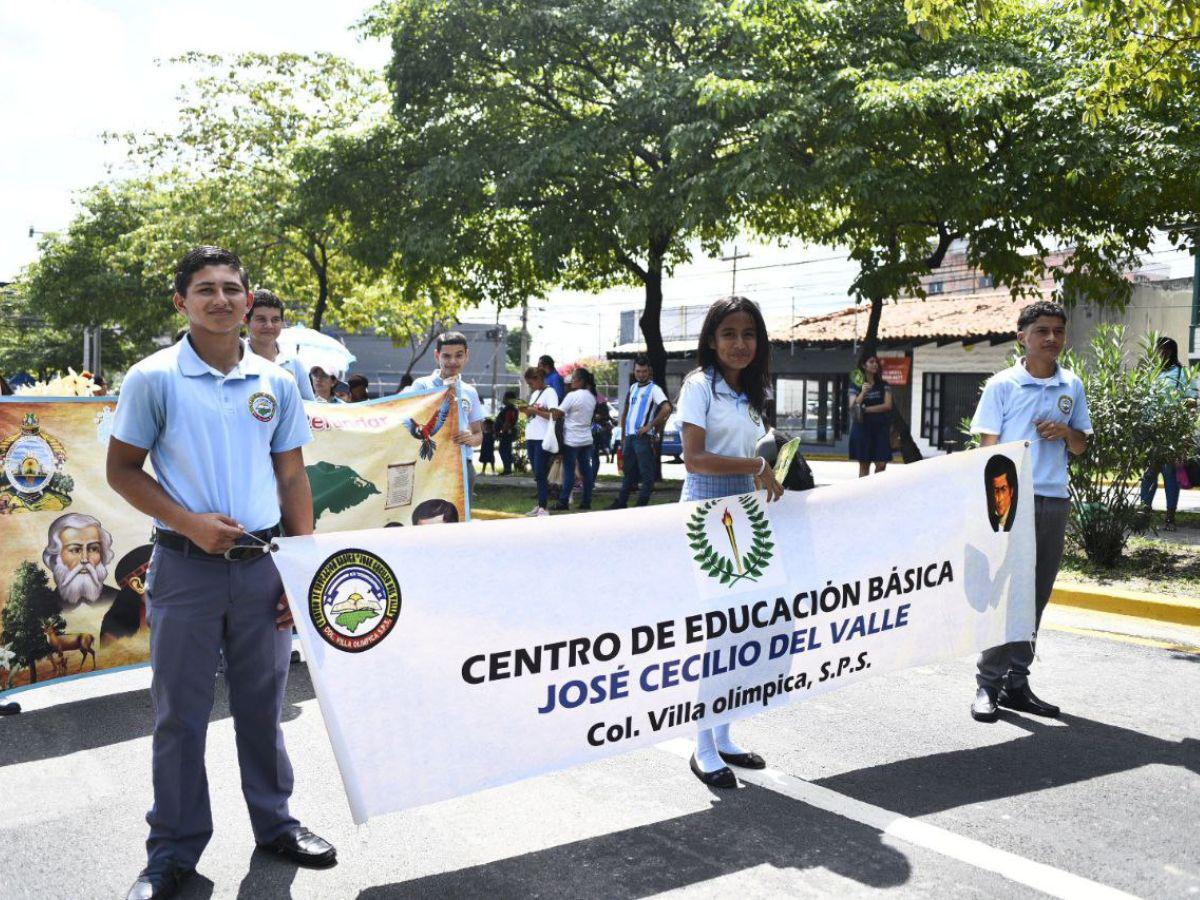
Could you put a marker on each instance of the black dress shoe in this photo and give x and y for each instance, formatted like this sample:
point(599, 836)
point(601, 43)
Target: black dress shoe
point(1023, 699)
point(154, 884)
point(984, 707)
point(616, 504)
point(304, 848)
point(744, 760)
point(9, 709)
point(561, 507)
point(722, 778)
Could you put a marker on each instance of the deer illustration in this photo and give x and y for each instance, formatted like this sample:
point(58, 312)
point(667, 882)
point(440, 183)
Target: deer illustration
point(65, 643)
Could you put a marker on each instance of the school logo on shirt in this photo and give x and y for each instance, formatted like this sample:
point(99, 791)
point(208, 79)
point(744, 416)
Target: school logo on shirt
point(354, 600)
point(263, 406)
point(1064, 405)
point(731, 540)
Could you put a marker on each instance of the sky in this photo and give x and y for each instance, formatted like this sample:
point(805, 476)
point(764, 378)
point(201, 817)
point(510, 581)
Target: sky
point(75, 69)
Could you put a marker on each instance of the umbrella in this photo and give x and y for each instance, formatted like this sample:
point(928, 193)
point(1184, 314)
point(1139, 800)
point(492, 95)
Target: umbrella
point(315, 349)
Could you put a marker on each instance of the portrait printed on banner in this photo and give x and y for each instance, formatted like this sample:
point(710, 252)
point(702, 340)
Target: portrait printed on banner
point(77, 553)
point(1000, 483)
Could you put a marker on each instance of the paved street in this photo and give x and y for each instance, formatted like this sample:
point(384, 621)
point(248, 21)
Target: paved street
point(886, 786)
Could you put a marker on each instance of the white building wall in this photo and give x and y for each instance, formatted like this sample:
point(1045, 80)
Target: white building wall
point(982, 357)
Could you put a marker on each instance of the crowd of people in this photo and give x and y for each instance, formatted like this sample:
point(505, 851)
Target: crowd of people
point(210, 536)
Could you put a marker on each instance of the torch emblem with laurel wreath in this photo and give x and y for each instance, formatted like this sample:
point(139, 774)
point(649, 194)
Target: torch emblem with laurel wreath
point(731, 567)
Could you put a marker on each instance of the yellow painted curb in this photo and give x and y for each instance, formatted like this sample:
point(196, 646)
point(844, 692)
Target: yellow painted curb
point(1176, 610)
point(488, 515)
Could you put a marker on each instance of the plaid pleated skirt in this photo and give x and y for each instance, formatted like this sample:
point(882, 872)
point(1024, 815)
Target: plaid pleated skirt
point(706, 487)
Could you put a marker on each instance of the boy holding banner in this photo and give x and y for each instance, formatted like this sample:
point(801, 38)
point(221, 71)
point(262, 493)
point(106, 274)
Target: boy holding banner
point(1037, 401)
point(452, 355)
point(224, 429)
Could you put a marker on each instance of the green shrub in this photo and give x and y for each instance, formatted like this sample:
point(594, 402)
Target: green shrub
point(1139, 424)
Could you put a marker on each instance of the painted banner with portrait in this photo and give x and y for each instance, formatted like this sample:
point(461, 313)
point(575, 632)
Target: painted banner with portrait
point(75, 555)
point(444, 666)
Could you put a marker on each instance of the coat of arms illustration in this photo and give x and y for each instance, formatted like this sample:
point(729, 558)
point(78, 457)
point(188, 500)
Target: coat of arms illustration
point(31, 477)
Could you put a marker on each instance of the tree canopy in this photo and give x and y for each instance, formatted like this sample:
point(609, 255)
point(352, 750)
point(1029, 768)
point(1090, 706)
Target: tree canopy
point(547, 143)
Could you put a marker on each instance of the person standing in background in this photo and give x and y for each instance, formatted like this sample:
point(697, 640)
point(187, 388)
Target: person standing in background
point(506, 430)
point(264, 322)
point(542, 402)
point(643, 415)
point(576, 411)
point(871, 409)
point(1171, 383)
point(554, 381)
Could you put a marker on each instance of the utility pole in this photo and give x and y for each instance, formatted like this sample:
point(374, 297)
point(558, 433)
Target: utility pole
point(496, 357)
point(524, 344)
point(736, 256)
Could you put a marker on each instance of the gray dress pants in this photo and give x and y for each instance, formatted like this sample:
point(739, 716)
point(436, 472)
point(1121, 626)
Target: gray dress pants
point(1008, 664)
point(196, 609)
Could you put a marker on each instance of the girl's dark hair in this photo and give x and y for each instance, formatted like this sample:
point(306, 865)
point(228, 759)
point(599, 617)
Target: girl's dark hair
point(1169, 351)
point(756, 377)
point(862, 367)
point(589, 380)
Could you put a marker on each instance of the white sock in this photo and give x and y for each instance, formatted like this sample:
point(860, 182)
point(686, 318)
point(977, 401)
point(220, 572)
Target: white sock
point(706, 752)
point(724, 742)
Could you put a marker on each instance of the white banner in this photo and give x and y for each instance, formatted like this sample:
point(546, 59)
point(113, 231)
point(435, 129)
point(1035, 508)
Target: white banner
point(447, 660)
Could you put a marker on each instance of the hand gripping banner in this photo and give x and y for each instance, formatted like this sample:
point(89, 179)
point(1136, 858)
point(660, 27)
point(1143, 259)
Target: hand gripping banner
point(75, 555)
point(454, 659)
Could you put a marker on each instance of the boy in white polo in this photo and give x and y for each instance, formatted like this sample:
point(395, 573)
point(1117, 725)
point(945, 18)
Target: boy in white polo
point(1039, 401)
point(224, 430)
point(452, 355)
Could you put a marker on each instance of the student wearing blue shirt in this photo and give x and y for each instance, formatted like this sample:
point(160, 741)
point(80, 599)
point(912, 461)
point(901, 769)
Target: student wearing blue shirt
point(223, 428)
point(452, 355)
point(553, 379)
point(1039, 401)
point(264, 322)
point(721, 407)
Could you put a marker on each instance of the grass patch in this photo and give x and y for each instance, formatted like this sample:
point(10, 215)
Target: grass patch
point(1152, 564)
point(520, 500)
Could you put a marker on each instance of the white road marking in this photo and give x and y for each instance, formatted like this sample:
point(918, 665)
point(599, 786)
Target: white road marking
point(1038, 876)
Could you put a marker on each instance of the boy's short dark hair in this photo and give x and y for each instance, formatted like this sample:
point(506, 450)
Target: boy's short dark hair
point(642, 360)
point(510, 395)
point(264, 298)
point(448, 338)
point(546, 360)
point(1035, 311)
point(357, 381)
point(199, 257)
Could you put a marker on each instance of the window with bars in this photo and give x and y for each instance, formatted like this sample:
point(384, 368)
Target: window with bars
point(931, 405)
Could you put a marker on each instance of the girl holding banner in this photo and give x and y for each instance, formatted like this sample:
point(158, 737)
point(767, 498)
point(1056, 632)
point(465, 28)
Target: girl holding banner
point(721, 407)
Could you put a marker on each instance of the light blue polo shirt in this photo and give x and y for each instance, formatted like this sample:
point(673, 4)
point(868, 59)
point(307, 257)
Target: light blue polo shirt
point(731, 426)
point(1013, 400)
point(210, 435)
point(466, 395)
point(295, 367)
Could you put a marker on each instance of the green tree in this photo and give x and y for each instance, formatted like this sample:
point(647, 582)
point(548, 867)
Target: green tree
point(31, 603)
point(94, 274)
point(233, 170)
point(1140, 424)
point(29, 344)
point(547, 143)
point(1141, 49)
point(896, 147)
